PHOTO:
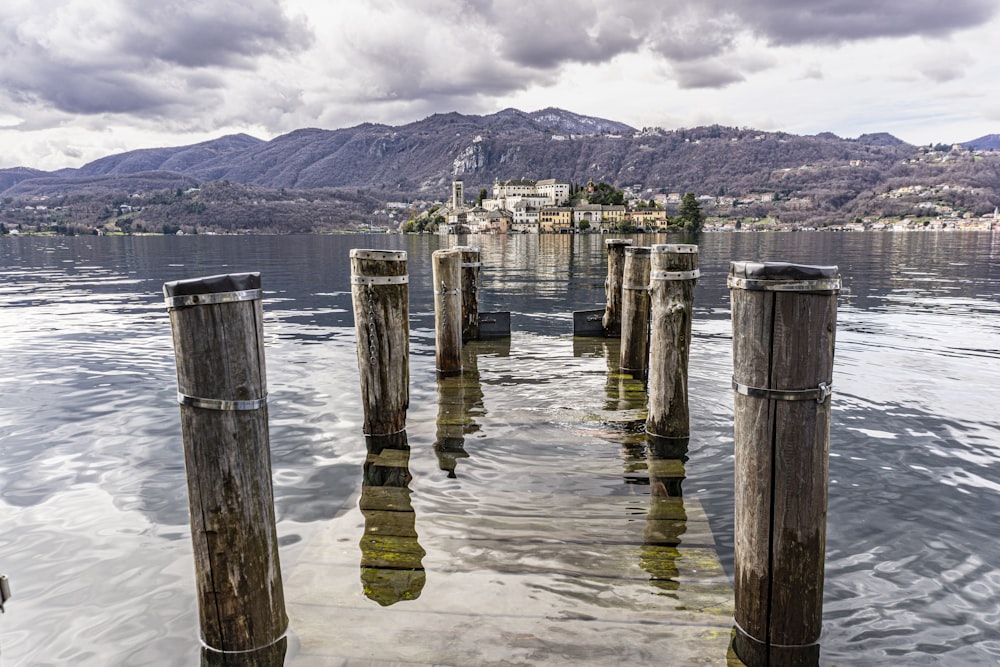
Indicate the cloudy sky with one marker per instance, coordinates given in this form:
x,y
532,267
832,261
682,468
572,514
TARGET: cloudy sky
x,y
80,79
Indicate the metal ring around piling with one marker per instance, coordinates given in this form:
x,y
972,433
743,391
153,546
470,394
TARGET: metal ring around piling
x,y
819,394
221,404
380,280
188,300
381,255
471,265
675,248
674,275
821,286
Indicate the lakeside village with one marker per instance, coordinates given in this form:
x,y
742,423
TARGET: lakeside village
x,y
549,206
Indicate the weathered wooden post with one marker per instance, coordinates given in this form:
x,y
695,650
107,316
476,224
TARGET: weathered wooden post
x,y
381,297
222,390
447,281
784,325
612,320
672,276
470,292
635,312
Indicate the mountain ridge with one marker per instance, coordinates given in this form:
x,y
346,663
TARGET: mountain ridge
x,y
818,177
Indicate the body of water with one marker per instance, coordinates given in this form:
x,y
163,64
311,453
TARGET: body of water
x,y
93,510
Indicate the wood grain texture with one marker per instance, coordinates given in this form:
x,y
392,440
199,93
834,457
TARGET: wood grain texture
x,y
382,327
612,320
783,341
447,281
671,306
470,292
635,312
220,355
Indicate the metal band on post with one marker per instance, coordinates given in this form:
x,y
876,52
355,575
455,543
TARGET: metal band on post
x,y
220,404
380,280
189,300
379,255
819,394
675,275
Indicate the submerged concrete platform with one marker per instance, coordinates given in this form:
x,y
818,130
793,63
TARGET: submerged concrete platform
x,y
603,581
526,526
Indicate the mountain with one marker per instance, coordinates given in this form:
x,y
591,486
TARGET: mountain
x,y
990,142
420,159
809,178
180,159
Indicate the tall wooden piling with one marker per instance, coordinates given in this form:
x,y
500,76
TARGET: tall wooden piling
x,y
672,276
381,297
635,312
222,391
784,325
612,320
471,264
447,280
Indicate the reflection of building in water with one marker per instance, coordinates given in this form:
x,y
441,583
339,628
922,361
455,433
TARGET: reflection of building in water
x,y
391,559
460,400
667,518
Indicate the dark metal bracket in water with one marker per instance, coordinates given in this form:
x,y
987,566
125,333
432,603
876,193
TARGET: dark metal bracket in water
x,y
588,322
494,325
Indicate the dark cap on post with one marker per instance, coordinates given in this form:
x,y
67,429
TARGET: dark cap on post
x,y
783,277
225,287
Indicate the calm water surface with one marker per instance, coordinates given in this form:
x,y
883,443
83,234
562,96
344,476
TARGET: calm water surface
x,y
93,509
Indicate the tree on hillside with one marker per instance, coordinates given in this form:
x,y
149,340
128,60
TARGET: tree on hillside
x,y
689,215
605,194
483,194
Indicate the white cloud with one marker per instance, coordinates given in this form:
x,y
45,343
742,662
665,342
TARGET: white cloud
x,y
99,77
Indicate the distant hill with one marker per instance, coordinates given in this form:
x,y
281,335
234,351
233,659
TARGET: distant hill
x,y
421,158
810,178
180,160
990,142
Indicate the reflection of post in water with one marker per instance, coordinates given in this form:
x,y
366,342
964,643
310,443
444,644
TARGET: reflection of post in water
x,y
667,519
624,391
391,567
459,398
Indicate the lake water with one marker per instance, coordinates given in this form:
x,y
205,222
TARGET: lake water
x,y
93,511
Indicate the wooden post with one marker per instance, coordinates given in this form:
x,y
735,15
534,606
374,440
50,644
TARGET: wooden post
x,y
222,389
612,320
784,325
381,297
470,292
447,281
672,276
392,567
635,312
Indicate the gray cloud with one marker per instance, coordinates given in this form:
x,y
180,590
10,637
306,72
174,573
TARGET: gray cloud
x,y
140,59
706,74
228,33
800,21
